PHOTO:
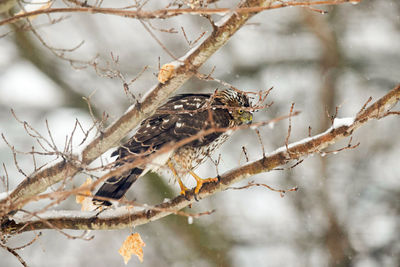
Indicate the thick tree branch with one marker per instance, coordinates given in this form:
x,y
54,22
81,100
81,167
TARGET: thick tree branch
x,y
125,217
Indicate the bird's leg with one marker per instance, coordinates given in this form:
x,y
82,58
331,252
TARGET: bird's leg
x,y
184,189
201,181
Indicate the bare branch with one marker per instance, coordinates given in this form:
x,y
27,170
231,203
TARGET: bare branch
x,y
252,184
4,179
289,127
118,220
158,40
261,143
12,251
30,242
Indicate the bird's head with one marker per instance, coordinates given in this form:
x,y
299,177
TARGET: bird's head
x,y
242,116
238,105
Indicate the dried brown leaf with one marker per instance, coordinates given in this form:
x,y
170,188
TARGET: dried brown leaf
x,y
133,244
167,71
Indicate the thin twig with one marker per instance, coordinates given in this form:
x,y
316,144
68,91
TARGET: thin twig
x,y
244,150
261,142
5,181
30,242
251,184
158,40
289,127
12,251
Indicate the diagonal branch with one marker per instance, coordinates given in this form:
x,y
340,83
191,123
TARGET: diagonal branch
x,y
125,217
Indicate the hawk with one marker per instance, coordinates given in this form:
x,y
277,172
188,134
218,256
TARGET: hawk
x,y
183,117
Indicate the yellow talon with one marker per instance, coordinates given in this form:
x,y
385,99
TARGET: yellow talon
x,y
184,189
201,181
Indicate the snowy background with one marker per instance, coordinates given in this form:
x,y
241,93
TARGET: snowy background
x,y
347,209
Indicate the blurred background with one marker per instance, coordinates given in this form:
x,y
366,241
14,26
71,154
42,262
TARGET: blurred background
x,y
346,211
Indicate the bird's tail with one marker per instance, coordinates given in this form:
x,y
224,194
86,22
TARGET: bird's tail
x,y
116,187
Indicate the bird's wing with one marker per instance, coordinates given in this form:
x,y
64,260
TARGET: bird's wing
x,y
174,121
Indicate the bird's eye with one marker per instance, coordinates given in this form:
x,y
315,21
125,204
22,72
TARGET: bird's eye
x,y
240,111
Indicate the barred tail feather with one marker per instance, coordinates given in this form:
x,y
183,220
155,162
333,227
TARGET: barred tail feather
x,y
116,187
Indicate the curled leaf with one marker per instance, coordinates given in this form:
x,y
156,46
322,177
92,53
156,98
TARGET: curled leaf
x,y
166,72
133,244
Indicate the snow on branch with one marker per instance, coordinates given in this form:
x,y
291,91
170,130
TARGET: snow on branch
x,y
126,217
